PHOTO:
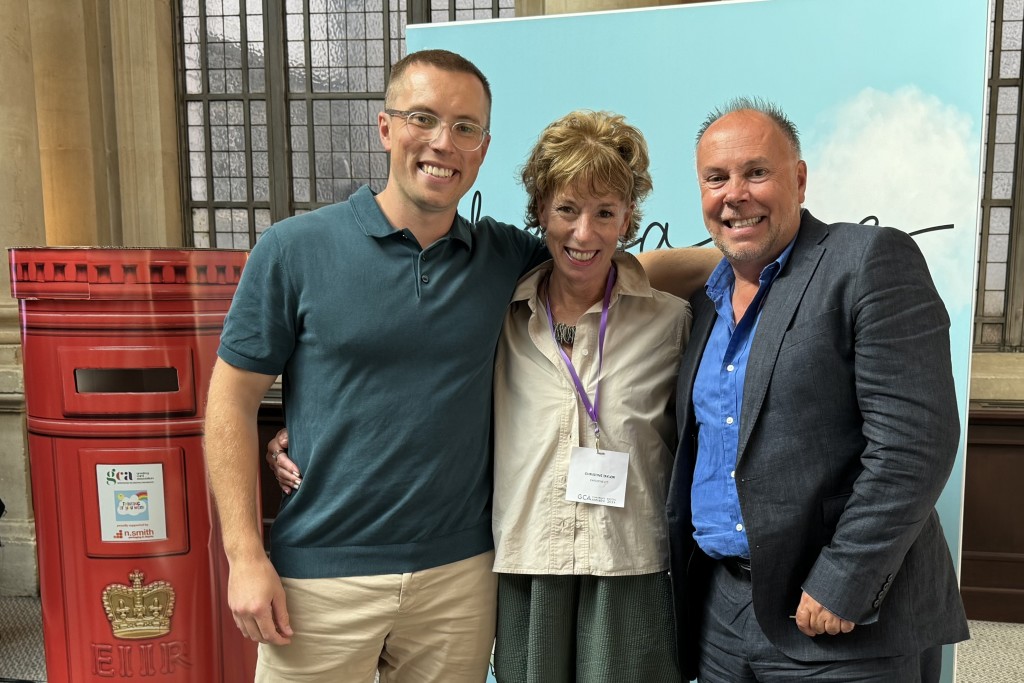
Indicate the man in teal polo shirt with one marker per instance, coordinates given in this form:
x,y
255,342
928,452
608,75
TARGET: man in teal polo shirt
x,y
382,314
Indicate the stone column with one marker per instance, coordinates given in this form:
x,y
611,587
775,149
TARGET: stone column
x,y
21,205
144,99
74,108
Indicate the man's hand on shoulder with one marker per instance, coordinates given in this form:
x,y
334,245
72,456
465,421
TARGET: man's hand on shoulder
x,y
813,619
256,599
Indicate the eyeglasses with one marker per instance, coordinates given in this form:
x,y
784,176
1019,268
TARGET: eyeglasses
x,y
425,127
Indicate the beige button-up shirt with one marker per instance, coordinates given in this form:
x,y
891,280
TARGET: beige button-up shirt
x,y
538,418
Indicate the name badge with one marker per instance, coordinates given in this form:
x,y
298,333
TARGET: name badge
x,y
597,477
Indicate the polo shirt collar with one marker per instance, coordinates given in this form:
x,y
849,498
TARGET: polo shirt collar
x,y
374,223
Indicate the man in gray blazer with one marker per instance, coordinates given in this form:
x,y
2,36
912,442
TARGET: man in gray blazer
x,y
818,425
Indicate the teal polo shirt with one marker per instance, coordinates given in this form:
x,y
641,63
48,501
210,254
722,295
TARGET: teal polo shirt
x,y
387,353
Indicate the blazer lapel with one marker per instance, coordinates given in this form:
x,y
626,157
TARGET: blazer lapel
x,y
703,321
779,307
678,504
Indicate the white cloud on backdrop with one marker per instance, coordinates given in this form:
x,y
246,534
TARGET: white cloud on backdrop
x,y
912,161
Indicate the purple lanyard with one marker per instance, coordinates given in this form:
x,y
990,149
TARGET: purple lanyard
x,y
592,408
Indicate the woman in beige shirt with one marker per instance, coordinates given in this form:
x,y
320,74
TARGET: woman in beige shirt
x,y
584,425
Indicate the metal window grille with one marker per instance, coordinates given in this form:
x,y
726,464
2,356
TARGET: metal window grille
x,y
278,103
999,314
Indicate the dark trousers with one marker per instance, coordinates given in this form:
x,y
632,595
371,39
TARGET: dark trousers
x,y
733,649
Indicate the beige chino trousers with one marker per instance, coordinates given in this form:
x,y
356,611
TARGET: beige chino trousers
x,y
435,625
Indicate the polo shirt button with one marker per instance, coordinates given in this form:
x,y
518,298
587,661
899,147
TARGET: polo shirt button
x,y
424,279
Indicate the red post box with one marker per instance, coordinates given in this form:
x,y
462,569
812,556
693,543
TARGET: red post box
x,y
119,345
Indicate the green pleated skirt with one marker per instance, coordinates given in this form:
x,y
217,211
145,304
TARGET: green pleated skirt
x,y
585,629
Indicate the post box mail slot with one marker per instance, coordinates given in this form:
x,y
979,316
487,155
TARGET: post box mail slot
x,y
126,380
112,380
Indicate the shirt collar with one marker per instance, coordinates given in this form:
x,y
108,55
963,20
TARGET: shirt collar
x,y
630,278
722,278
374,223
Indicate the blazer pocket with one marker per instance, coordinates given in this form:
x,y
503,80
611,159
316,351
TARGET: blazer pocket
x,y
832,509
808,329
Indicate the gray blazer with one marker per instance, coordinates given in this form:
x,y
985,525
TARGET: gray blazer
x,y
848,431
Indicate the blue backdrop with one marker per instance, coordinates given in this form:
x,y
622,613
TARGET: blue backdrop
x,y
888,94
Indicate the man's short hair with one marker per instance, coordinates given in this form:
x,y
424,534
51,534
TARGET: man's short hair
x,y
595,151
761,106
440,59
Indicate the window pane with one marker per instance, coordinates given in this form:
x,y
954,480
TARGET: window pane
x,y
1009,65
999,220
991,333
993,303
1007,101
1006,128
296,28
198,189
995,276
1013,10
1002,185
997,245
1004,158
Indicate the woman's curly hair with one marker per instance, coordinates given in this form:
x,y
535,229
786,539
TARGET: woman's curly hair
x,y
597,151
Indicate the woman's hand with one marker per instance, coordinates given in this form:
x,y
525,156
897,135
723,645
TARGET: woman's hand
x,y
285,471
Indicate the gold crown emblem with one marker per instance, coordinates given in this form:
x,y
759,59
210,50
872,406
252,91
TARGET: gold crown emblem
x,y
139,611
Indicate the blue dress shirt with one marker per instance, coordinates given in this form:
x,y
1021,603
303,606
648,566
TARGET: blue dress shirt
x,y
717,403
